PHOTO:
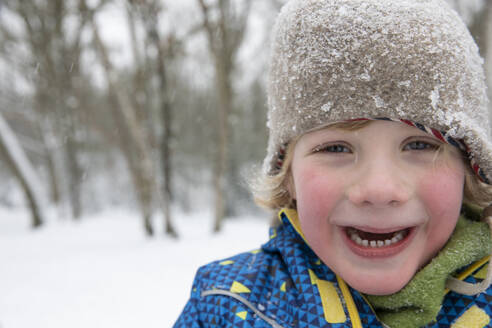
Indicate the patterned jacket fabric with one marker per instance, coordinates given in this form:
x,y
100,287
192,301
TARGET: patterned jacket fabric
x,y
284,284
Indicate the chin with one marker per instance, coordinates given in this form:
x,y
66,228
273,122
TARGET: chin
x,y
382,285
379,290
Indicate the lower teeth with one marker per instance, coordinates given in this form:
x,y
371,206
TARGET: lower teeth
x,y
376,243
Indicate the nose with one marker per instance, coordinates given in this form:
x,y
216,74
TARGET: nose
x,y
381,183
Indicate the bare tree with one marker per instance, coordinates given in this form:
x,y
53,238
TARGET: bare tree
x,y
55,58
155,67
166,49
83,127
133,140
24,172
225,23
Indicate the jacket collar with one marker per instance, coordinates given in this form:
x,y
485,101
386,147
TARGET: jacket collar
x,y
315,283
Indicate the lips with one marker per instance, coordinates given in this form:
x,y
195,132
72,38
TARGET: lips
x,y
377,243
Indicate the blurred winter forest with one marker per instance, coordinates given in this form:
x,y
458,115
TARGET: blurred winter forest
x,y
148,104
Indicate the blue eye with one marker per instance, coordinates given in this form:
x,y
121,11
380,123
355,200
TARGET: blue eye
x,y
420,145
337,148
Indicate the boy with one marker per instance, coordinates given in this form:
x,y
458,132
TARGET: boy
x,y
379,160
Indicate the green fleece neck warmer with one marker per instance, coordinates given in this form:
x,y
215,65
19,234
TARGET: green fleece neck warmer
x,y
419,302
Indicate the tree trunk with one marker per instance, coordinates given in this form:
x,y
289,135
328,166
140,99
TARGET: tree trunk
x,y
225,34
75,176
221,164
133,141
166,163
166,155
23,171
52,159
150,12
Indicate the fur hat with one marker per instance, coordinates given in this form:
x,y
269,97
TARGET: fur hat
x,y
338,60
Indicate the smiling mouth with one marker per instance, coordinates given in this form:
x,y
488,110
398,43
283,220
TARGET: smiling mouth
x,y
376,240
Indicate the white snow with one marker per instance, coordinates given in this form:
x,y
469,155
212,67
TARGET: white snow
x,y
378,101
434,97
103,271
327,107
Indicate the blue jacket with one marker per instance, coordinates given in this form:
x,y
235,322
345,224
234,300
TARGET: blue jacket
x,y
284,284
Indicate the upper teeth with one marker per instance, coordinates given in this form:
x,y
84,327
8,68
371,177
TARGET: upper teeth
x,y
375,243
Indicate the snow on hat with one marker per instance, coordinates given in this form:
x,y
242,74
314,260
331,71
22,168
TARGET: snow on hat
x,y
338,60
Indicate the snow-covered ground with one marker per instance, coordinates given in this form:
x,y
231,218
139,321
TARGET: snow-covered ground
x,y
103,272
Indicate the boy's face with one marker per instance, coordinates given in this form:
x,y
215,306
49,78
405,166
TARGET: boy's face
x,y
377,203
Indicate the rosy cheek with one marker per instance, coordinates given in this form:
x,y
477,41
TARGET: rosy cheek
x,y
316,194
441,193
